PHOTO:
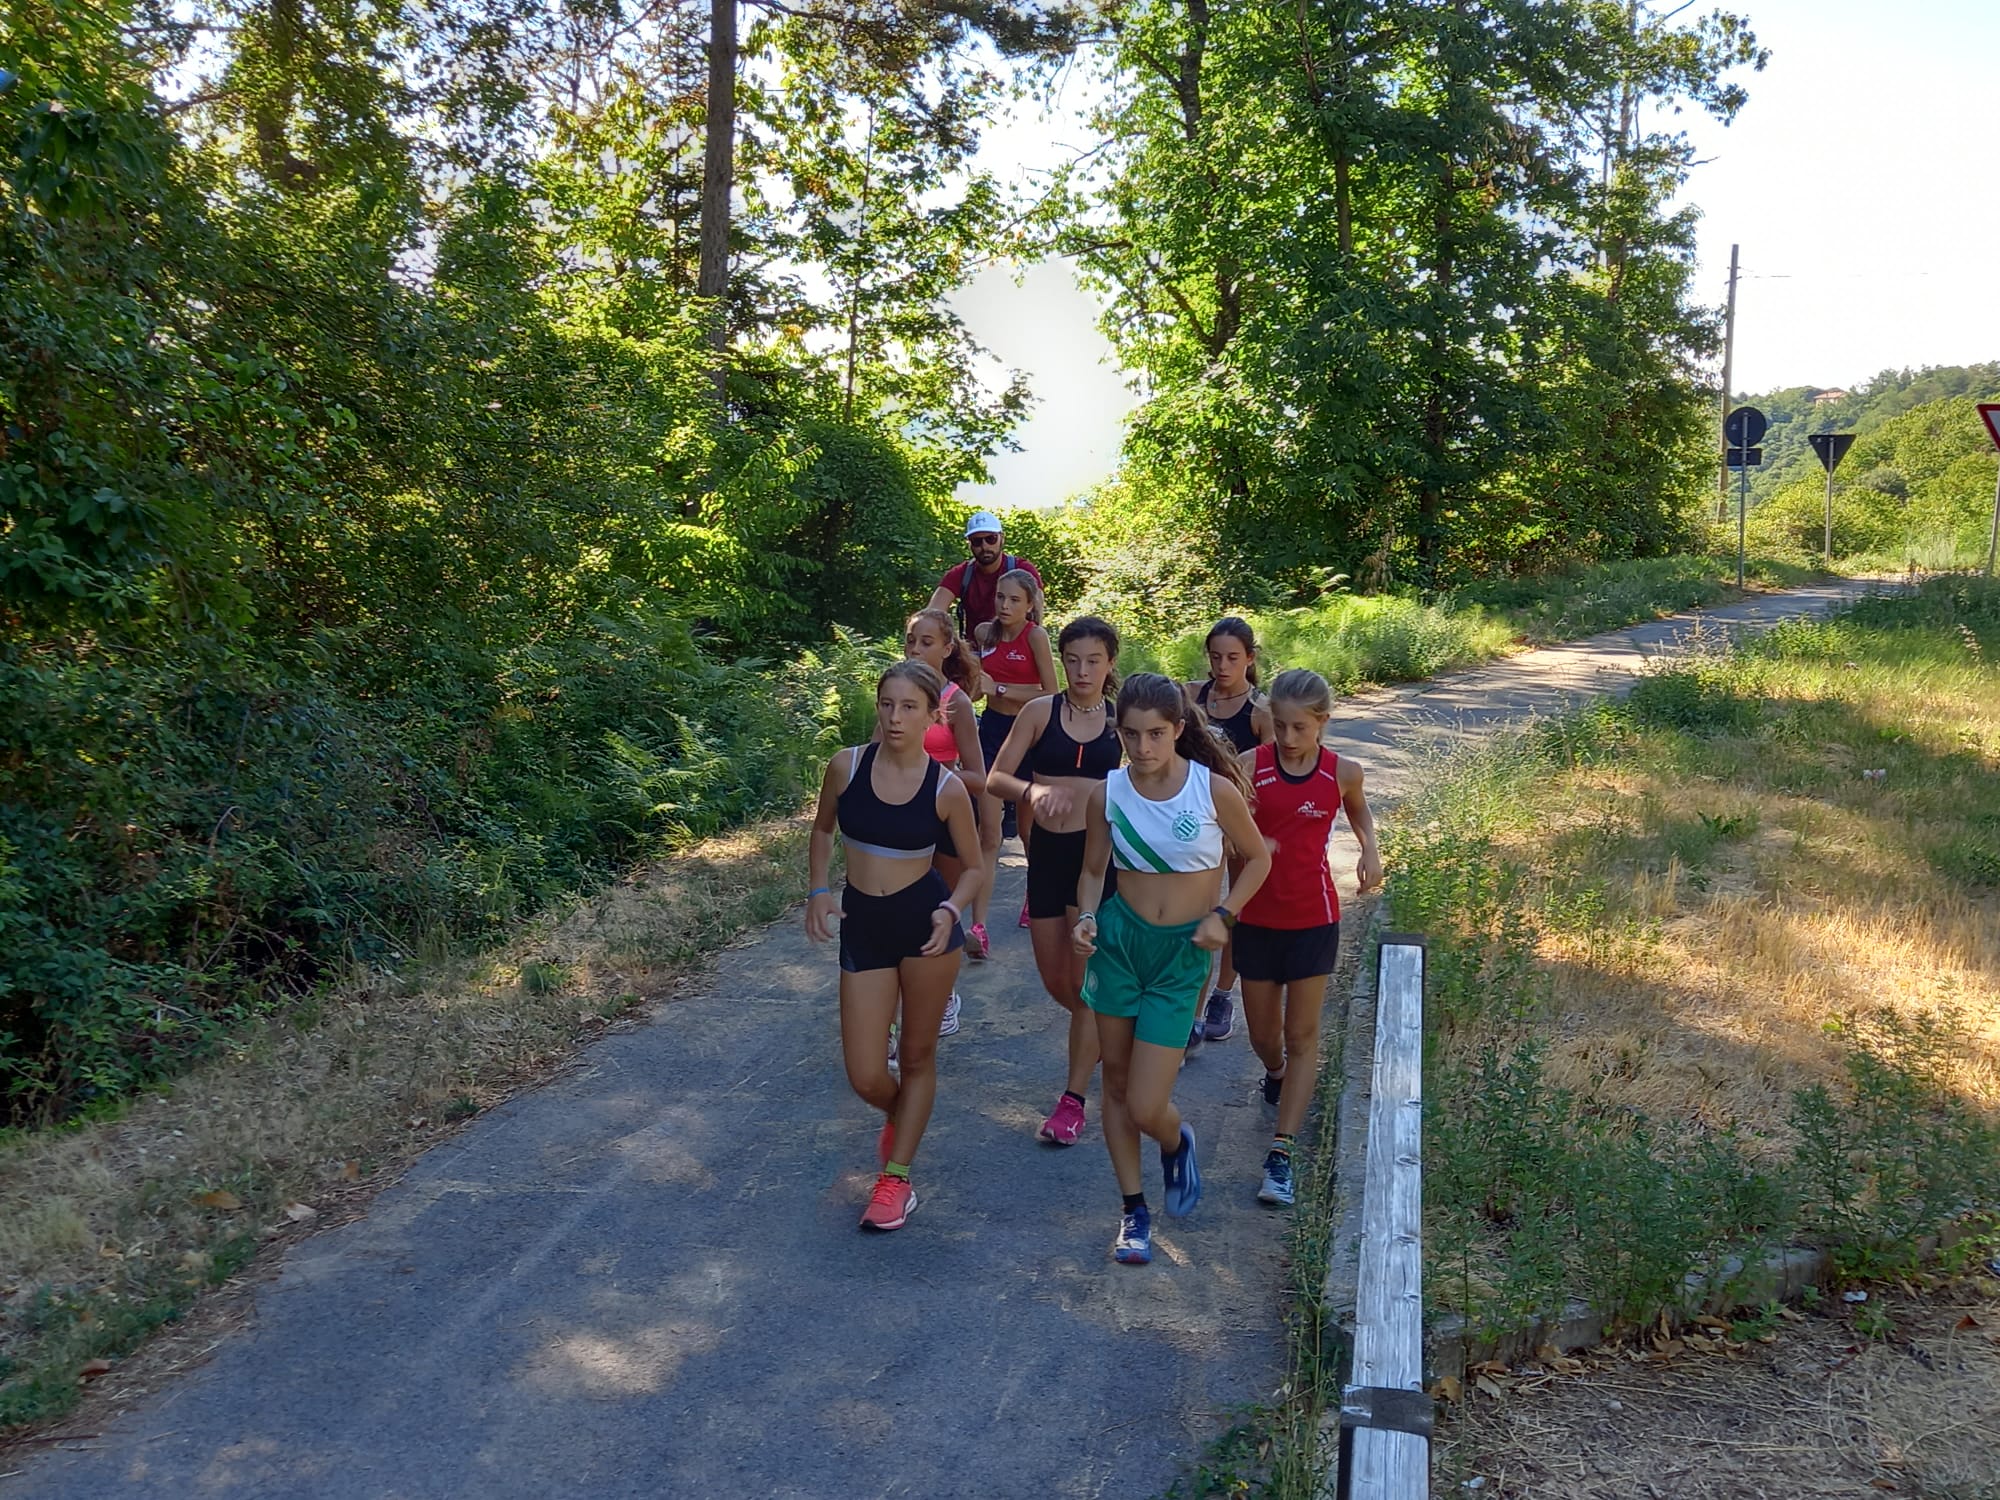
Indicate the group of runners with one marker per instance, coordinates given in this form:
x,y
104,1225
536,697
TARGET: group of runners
x,y
1177,839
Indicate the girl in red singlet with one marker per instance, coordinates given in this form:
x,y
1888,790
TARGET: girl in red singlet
x,y
1289,936
952,741
1019,666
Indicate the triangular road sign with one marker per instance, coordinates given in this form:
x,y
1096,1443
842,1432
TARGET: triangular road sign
x,y
1831,447
1989,413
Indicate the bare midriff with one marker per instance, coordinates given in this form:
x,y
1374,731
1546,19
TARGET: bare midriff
x,y
1169,900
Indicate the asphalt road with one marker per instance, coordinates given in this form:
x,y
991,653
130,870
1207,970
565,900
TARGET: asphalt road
x,y
645,1278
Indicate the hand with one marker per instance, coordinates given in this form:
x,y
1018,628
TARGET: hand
x,y
820,912
1211,934
1368,869
1050,801
941,921
1083,937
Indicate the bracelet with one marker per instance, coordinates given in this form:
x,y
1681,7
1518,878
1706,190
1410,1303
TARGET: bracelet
x,y
819,891
1228,916
1087,916
956,914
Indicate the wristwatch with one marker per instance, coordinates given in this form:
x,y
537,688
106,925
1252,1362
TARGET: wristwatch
x,y
1228,916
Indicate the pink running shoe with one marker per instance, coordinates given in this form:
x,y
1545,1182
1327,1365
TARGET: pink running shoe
x,y
885,1143
890,1205
975,940
1064,1126
1024,911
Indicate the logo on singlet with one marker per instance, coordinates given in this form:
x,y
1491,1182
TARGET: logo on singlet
x,y
1310,810
1186,826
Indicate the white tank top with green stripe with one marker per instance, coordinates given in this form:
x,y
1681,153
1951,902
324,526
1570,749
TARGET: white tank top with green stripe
x,y
1178,836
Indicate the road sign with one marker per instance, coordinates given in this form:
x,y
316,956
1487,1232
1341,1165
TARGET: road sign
x,y
1989,413
1832,447
1745,458
1745,427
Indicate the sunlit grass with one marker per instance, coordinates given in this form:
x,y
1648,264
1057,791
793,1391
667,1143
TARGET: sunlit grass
x,y
1693,907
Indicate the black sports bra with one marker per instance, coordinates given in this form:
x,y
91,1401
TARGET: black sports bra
x,y
1240,727
894,830
1056,754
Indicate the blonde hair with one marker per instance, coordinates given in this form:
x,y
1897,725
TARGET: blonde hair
x,y
1304,687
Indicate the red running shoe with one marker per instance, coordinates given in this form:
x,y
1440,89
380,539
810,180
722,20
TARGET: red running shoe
x,y
975,941
1065,1125
1024,911
890,1205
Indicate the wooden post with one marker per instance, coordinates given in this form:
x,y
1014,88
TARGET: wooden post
x,y
1389,1455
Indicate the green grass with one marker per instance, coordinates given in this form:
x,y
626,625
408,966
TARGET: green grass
x,y
1699,986
1610,595
1353,640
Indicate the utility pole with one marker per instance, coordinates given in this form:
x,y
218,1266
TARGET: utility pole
x,y
1728,366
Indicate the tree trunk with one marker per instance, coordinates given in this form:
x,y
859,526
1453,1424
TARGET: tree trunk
x,y
1430,499
718,180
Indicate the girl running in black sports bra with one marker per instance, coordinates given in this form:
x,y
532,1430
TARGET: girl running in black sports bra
x,y
1070,744
900,938
1231,685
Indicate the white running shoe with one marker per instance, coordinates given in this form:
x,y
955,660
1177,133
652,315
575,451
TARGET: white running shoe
x,y
949,1025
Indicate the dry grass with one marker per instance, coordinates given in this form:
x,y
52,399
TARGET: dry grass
x,y
1746,892
1819,1409
108,1228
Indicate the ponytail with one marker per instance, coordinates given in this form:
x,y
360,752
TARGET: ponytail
x,y
961,666
1196,741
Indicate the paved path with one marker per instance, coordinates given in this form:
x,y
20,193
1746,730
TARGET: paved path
x,y
645,1279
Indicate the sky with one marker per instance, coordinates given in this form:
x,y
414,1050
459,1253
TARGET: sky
x,y
1862,181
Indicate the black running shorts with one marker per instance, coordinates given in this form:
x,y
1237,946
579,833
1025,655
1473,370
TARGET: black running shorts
x,y
1278,955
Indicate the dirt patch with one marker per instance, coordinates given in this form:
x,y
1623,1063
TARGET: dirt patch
x,y
1811,1406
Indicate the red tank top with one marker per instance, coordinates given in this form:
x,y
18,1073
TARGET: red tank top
x,y
939,741
1297,815
1012,661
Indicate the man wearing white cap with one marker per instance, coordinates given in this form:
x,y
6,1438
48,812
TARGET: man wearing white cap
x,y
968,586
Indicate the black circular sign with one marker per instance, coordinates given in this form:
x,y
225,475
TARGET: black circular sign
x,y
1744,427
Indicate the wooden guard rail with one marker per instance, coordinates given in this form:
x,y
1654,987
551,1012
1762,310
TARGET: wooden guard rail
x,y
1385,1413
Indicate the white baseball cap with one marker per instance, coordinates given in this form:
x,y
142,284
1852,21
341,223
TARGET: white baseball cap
x,y
982,520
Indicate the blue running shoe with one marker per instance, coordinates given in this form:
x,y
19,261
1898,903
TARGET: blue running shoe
x,y
1219,1023
1183,1174
1134,1245
1277,1188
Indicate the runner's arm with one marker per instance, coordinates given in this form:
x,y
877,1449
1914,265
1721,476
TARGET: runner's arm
x,y
955,805
1368,869
965,730
1001,781
819,856
1233,813
1096,860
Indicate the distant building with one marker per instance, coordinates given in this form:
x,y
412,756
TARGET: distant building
x,y
1820,398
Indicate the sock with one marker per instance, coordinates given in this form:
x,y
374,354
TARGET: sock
x,y
1282,1144
1135,1203
897,1169
1073,1094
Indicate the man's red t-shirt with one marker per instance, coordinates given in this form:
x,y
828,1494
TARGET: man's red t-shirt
x,y
978,592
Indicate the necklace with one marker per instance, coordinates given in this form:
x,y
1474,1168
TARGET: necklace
x,y
1080,712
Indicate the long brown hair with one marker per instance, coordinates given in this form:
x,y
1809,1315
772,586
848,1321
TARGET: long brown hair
x,y
960,665
1195,742
1237,629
